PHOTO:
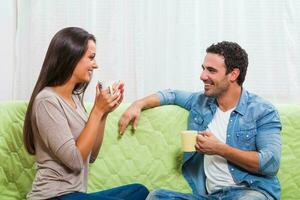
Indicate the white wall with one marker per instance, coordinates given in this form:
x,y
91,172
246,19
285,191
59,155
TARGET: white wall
x,y
7,47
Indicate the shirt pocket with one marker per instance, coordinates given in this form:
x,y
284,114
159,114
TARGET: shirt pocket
x,y
246,139
196,121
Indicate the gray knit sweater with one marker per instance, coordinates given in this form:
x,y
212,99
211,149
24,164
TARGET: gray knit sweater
x,y
56,126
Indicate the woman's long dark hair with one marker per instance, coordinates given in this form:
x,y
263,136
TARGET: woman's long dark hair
x,y
66,48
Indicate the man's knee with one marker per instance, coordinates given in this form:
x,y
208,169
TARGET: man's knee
x,y
157,194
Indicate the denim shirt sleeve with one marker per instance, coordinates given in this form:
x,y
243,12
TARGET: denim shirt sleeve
x,y
176,97
268,142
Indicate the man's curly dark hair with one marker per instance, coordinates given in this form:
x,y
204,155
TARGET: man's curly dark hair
x,y
234,56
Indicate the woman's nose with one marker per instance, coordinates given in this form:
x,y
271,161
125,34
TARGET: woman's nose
x,y
95,66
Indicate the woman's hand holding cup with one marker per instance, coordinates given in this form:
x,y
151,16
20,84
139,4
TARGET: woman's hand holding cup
x,y
109,98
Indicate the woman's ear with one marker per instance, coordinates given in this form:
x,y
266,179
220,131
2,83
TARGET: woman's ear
x,y
234,74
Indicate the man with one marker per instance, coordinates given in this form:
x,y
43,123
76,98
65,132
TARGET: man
x,y
238,145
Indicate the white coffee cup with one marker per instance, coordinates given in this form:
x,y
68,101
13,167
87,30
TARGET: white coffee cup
x,y
188,140
109,85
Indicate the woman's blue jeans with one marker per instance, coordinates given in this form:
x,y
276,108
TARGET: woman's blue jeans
x,y
126,192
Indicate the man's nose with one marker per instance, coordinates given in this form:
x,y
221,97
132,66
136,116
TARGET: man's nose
x,y
203,75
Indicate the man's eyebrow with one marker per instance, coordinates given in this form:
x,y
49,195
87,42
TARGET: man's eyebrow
x,y
208,66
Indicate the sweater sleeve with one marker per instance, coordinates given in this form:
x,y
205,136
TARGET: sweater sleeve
x,y
55,133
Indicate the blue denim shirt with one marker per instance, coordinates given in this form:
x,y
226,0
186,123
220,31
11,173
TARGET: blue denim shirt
x,y
254,125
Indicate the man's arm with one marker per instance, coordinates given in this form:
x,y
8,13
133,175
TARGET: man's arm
x,y
208,144
166,97
265,160
132,113
248,160
268,143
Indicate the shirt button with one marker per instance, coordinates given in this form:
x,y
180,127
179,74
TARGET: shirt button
x,y
231,169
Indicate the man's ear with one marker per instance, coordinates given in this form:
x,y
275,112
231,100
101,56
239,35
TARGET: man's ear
x,y
234,74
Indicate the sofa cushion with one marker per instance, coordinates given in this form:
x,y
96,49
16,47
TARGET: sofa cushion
x,y
289,172
16,171
151,155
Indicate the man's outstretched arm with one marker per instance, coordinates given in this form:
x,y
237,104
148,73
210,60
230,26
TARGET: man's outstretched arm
x,y
132,113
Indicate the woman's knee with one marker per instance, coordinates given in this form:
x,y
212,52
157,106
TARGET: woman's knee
x,y
140,189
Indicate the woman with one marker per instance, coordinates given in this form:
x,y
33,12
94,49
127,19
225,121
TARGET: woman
x,y
56,128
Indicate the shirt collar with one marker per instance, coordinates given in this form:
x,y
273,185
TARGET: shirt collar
x,y
241,106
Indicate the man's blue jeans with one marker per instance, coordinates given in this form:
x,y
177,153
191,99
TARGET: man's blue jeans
x,y
126,192
227,193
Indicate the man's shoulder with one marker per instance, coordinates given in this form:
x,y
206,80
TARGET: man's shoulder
x,y
258,101
259,106
261,111
201,101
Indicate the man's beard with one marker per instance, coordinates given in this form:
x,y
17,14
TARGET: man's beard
x,y
216,91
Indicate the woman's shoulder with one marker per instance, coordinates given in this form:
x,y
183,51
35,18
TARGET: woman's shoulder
x,y
47,95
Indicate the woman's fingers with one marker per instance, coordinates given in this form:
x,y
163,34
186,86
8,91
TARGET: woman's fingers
x,y
98,89
109,101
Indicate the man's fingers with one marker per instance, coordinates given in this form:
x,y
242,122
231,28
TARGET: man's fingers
x,y
123,123
200,138
122,126
206,133
198,148
135,122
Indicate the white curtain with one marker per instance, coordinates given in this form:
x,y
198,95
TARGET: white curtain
x,y
7,48
158,44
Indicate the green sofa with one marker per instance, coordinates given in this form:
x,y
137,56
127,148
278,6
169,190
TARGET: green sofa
x,y
151,155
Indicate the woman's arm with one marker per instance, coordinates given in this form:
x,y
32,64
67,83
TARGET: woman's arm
x,y
90,139
99,139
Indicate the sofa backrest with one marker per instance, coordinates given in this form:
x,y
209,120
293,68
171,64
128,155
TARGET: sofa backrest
x,y
16,171
289,172
151,155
